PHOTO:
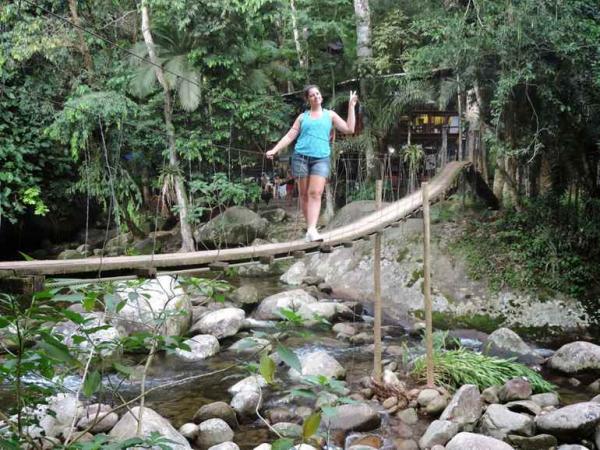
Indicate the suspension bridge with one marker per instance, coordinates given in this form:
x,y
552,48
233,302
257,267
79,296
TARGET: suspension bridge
x,y
178,263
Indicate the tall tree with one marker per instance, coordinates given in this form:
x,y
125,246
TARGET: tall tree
x,y
187,238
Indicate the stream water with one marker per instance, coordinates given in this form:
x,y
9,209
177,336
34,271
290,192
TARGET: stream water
x,y
179,402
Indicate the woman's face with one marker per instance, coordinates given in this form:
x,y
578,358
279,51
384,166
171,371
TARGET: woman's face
x,y
314,97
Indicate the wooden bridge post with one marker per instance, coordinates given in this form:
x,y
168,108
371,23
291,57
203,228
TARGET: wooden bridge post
x,y
377,289
427,284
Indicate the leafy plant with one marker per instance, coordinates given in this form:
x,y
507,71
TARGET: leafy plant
x,y
454,368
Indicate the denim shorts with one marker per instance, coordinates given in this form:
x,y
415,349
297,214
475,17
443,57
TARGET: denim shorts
x,y
304,166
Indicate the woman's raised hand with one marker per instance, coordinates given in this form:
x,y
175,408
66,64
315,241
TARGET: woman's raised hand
x,y
353,99
271,153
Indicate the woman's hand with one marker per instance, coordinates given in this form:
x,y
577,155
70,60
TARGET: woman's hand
x,y
271,153
353,99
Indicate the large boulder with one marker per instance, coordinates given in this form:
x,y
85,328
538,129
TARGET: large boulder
x,y
472,441
576,357
575,420
498,421
465,407
353,417
331,311
152,422
235,226
295,274
319,362
217,410
270,307
202,346
99,417
351,213
223,322
159,305
245,295
507,344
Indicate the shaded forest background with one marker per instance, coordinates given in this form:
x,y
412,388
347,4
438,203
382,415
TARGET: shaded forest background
x,y
109,107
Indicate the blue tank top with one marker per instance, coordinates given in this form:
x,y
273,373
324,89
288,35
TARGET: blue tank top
x,y
314,135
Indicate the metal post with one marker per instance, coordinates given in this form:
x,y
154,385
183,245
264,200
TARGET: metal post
x,y
377,287
427,284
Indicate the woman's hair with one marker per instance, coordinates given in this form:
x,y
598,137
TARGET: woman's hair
x,y
307,89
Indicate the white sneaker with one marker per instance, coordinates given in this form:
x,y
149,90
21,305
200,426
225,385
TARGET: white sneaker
x,y
312,235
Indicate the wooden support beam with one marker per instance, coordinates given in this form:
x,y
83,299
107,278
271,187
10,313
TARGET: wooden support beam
x,y
348,244
325,248
427,285
377,369
22,285
268,259
148,272
218,265
298,254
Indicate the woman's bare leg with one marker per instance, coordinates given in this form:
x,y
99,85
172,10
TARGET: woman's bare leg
x,y
316,184
303,194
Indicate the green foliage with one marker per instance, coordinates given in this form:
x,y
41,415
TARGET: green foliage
x,y
548,247
212,288
455,368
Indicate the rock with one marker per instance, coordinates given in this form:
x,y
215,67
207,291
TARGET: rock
x,y
189,431
245,403
353,417
596,399
102,417
343,330
275,215
438,432
490,395
390,402
594,387
352,212
572,447
245,295
151,422
295,274
70,254
546,399
222,323
369,440
319,362
406,444
202,346
574,382
472,441
251,344
498,421
303,447
263,447
269,308
403,431
524,406
331,311
252,383
576,357
465,406
225,446
105,340
288,429
578,419
216,410
539,442
213,432
437,405
426,396
361,338
234,227
515,389
276,415
250,323
505,343
408,416
159,305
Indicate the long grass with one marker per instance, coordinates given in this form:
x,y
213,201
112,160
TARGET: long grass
x,y
454,368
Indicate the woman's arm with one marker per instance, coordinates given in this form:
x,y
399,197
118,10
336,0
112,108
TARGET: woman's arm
x,y
286,140
346,126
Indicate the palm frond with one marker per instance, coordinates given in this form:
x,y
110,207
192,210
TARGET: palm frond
x,y
143,82
189,91
258,80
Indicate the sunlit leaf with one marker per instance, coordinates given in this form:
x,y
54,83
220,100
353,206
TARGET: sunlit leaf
x,y
311,425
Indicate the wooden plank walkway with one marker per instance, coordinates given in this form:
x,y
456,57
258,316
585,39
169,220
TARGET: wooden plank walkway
x,y
377,221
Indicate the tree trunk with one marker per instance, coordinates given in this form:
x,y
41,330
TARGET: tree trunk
x,y
187,238
302,60
364,53
83,48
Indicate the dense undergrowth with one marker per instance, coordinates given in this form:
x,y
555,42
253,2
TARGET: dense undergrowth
x,y
549,246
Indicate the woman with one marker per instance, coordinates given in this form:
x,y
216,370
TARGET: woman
x,y
310,161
